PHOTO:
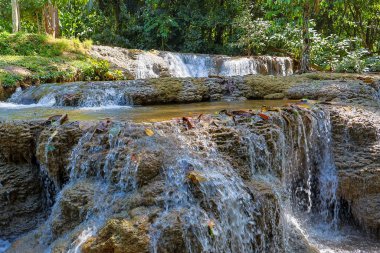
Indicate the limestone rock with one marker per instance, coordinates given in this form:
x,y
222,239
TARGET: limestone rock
x,y
120,236
22,199
75,202
55,145
356,135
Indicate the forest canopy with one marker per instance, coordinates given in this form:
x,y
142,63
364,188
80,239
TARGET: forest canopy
x,y
339,35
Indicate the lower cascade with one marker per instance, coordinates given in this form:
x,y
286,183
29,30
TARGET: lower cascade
x,y
233,182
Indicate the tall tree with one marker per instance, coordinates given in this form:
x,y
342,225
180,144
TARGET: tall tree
x,y
301,11
16,16
51,19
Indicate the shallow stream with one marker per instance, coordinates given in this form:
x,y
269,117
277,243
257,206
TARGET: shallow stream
x,y
11,111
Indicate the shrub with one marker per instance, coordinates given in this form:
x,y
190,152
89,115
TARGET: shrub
x,y
39,44
373,63
8,79
352,63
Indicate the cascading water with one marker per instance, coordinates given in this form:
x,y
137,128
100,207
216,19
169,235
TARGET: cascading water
x,y
143,64
109,187
187,65
75,94
242,183
299,154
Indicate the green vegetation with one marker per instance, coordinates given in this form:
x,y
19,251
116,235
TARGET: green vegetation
x,y
33,58
326,35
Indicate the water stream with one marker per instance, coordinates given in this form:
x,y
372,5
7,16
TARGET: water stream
x,y
153,64
242,180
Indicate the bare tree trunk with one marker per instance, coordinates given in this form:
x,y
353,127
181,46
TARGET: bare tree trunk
x,y
16,22
51,20
305,57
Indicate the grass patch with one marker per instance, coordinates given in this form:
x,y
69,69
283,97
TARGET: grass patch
x,y
43,59
38,44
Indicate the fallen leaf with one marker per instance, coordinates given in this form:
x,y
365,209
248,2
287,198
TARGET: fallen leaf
x,y
134,158
264,116
188,122
149,132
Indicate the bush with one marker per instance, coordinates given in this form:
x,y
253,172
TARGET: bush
x,y
8,79
373,64
39,44
352,63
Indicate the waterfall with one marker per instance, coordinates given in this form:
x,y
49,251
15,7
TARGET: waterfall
x,y
188,65
73,94
113,179
153,64
246,183
299,154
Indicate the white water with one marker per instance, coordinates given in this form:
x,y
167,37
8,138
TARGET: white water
x,y
153,64
188,65
4,245
46,101
291,154
192,65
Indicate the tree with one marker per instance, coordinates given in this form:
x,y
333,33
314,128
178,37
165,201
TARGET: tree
x,y
16,16
51,19
301,11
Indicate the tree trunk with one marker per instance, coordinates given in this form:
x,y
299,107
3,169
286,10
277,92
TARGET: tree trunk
x,y
51,20
305,57
16,16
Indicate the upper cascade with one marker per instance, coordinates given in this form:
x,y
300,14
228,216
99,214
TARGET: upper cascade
x,y
153,64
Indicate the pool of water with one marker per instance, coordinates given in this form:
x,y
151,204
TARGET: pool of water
x,y
10,111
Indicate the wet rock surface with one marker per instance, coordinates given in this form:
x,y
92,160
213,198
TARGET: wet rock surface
x,y
336,90
190,90
120,235
153,185
184,185
23,204
357,149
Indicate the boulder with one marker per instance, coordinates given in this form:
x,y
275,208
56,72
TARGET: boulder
x,y
120,236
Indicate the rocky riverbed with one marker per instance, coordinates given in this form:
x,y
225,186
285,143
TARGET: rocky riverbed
x,y
237,181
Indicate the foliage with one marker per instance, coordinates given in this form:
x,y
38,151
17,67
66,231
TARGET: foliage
x,y
8,79
353,62
39,44
45,59
335,31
